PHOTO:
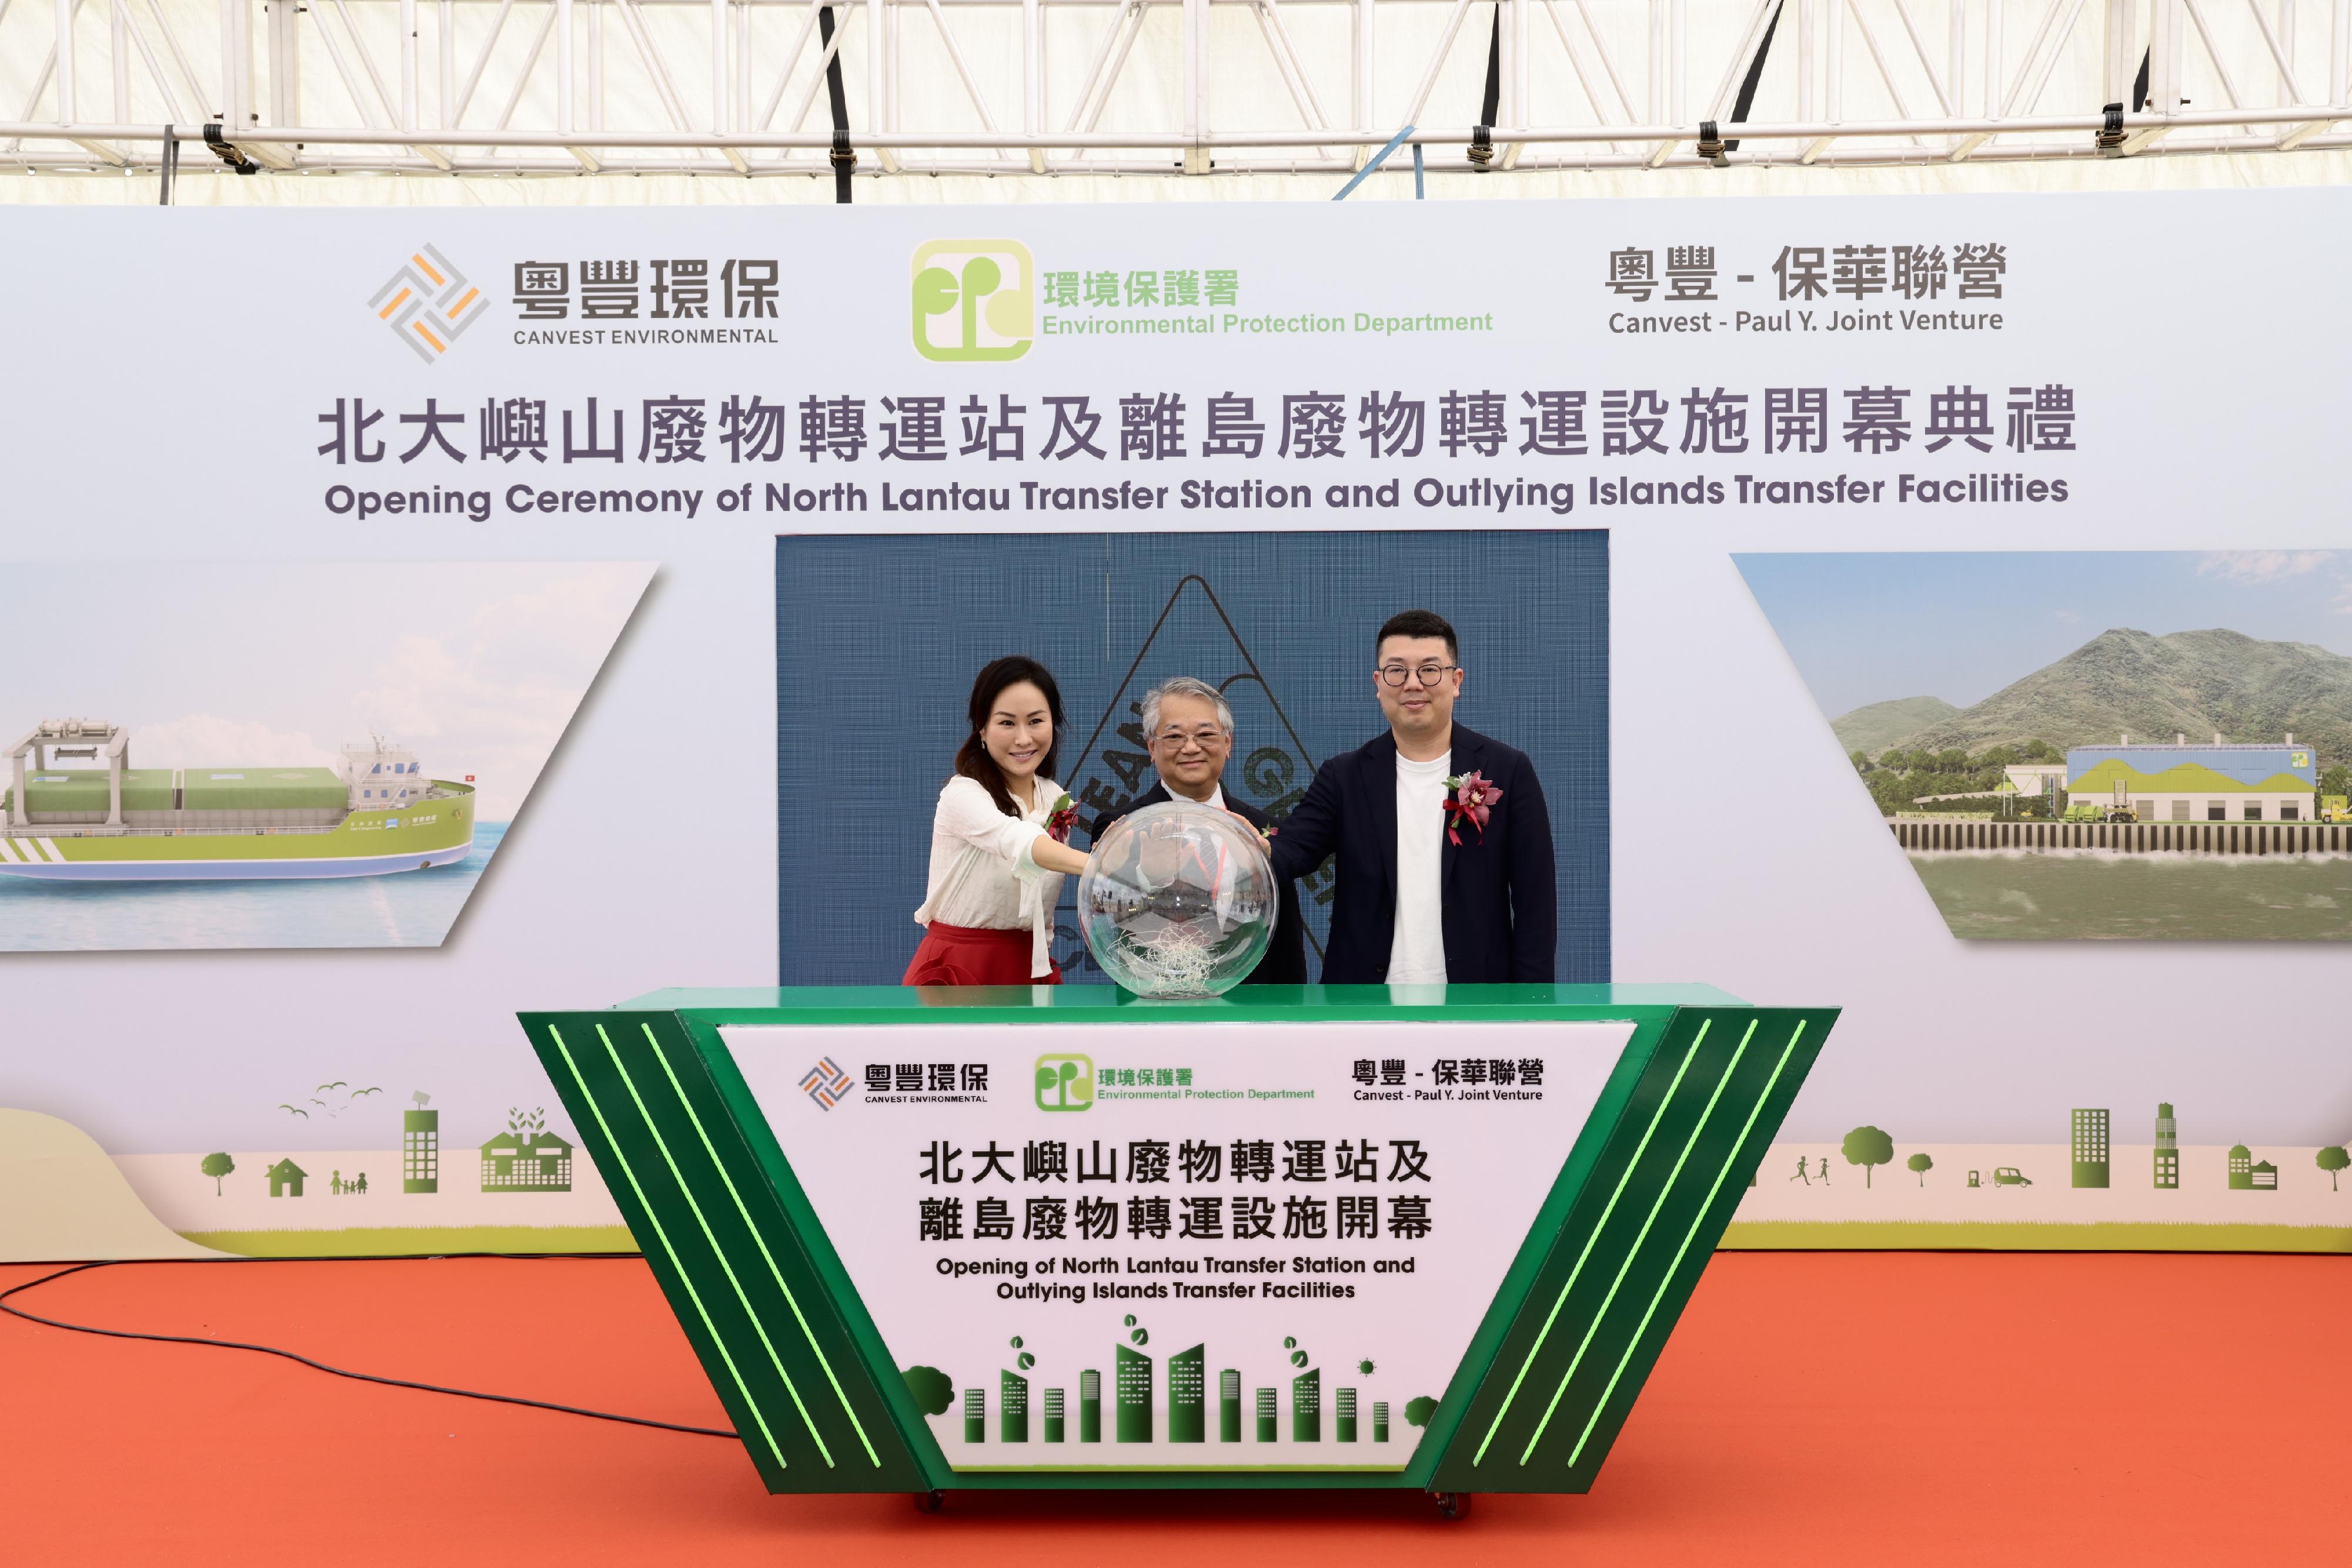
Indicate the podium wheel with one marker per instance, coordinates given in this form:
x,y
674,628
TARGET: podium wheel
x,y
930,1502
1453,1504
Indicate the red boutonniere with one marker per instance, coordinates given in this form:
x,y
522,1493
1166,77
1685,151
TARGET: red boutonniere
x,y
1064,817
1471,800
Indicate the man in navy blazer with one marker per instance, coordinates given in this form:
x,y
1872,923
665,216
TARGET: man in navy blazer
x,y
1425,894
1187,727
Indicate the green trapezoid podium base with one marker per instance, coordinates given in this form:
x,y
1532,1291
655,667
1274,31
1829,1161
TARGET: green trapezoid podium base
x,y
1058,1236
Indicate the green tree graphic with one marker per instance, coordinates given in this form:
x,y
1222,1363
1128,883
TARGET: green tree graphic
x,y
218,1166
2331,1159
1867,1147
1418,1411
934,1390
1918,1162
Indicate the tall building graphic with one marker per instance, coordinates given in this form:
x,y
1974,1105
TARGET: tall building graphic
x,y
2090,1146
2168,1149
1090,1406
1343,1425
420,1147
1266,1418
1229,1406
1307,1406
1013,1406
1379,1420
1187,1402
1134,1396
1054,1429
975,1414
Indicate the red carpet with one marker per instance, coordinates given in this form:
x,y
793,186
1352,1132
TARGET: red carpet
x,y
1815,1409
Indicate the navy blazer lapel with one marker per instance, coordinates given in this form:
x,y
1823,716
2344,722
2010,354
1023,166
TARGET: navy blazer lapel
x,y
1379,777
1468,753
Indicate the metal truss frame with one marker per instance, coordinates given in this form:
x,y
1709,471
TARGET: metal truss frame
x,y
1043,88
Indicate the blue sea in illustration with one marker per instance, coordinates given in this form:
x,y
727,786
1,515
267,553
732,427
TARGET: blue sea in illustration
x,y
404,909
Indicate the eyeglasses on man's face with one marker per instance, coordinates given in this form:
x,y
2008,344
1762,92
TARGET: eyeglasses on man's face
x,y
1206,736
1426,674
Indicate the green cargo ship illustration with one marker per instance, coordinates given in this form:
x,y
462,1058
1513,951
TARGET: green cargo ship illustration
x,y
102,819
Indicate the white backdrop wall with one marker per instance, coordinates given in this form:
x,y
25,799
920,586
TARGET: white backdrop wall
x,y
2204,426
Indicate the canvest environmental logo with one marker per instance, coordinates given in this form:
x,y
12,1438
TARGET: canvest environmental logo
x,y
428,304
974,299
825,1083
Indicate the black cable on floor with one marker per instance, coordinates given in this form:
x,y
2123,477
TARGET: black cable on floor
x,y
321,1365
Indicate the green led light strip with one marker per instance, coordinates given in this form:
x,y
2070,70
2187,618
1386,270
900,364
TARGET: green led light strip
x,y
662,1236
692,1115
1680,1252
1624,1177
1635,1251
716,1250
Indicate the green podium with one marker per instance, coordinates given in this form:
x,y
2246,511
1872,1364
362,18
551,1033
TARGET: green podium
x,y
1312,1237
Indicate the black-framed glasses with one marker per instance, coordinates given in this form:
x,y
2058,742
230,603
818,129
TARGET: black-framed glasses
x,y
1427,675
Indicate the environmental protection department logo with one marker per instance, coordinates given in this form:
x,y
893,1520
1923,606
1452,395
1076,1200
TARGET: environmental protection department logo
x,y
1065,1083
428,304
825,1083
974,299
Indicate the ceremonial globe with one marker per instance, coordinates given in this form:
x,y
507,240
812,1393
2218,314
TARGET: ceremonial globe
x,y
1177,900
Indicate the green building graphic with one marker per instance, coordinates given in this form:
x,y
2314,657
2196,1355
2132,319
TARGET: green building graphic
x,y
1343,1423
1134,1395
1187,1396
1307,1406
2248,1174
1267,1431
1054,1430
2168,1149
420,1147
286,1179
975,1414
527,1157
1090,1406
1379,1420
2089,1149
1229,1406
1013,1407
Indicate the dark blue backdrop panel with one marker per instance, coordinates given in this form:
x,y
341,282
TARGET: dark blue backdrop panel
x,y
878,636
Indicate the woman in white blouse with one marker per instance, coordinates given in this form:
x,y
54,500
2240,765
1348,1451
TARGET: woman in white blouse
x,y
999,847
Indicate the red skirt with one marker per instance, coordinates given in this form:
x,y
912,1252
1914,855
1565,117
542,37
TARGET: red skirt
x,y
967,955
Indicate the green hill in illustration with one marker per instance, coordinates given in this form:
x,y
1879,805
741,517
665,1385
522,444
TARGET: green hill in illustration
x,y
1878,726
2198,683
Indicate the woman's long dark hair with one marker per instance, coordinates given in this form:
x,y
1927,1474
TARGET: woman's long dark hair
x,y
972,759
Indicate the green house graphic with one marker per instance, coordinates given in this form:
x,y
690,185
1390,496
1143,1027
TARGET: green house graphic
x,y
527,1162
286,1179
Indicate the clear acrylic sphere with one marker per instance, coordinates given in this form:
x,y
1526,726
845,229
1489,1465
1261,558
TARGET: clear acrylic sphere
x,y
1177,900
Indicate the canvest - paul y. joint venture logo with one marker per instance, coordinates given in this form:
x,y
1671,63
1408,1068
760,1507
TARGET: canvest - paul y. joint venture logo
x,y
974,299
1065,1083
428,304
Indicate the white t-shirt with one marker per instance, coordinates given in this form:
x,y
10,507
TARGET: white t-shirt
x,y
1417,954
